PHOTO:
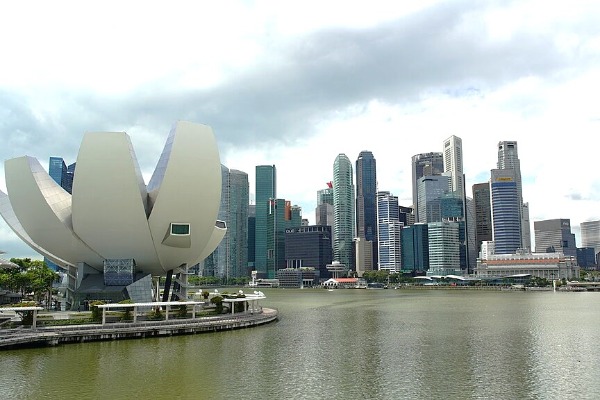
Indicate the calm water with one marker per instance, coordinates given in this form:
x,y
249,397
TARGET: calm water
x,y
344,344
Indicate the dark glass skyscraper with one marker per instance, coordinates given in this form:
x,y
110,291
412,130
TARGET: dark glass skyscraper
x,y
266,189
309,246
57,169
483,213
415,249
366,202
366,196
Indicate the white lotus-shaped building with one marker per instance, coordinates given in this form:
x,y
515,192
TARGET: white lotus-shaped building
x,y
112,214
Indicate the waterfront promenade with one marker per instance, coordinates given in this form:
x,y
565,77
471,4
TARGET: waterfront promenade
x,y
62,334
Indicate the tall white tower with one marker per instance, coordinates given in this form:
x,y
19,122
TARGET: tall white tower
x,y
453,163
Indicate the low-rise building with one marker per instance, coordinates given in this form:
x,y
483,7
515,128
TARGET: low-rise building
x,y
543,265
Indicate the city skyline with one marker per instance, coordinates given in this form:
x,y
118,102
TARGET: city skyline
x,y
294,86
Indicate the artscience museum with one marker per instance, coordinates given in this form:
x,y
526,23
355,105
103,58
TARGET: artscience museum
x,y
114,232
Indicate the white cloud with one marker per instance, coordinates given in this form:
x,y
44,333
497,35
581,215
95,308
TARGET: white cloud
x,y
296,84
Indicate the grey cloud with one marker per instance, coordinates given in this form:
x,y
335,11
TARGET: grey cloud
x,y
309,79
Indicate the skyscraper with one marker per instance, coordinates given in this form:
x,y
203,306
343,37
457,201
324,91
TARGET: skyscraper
x,y
343,211
309,246
366,194
389,231
415,248
483,213
506,219
366,203
324,210
430,191
424,164
554,236
276,224
237,224
57,169
453,164
590,235
444,248
266,189
508,158
61,174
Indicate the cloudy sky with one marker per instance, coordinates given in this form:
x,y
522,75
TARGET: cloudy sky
x,y
296,83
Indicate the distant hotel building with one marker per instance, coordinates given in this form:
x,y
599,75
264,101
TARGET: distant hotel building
x,y
543,265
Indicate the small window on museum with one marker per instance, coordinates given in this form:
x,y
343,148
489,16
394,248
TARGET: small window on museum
x,y
180,229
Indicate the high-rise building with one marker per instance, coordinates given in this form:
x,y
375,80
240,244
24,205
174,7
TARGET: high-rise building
x,y
309,247
324,210
472,250
251,236
364,259
444,248
276,225
415,249
266,189
57,169
506,217
217,263
430,190
483,213
366,204
343,211
282,216
230,258
425,164
586,257
453,164
508,158
389,232
406,215
590,235
237,224
366,195
63,175
68,178
554,236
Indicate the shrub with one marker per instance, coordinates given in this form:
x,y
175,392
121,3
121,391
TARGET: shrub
x,y
96,313
182,311
127,312
155,314
218,302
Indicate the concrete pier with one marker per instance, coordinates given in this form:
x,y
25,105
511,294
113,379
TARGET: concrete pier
x,y
55,335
